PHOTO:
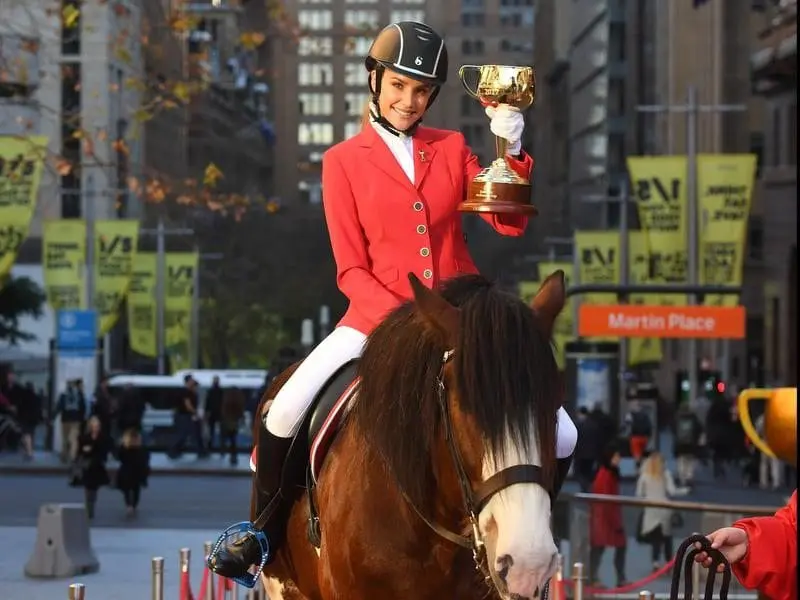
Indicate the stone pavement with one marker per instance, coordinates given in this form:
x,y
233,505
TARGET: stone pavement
x,y
48,463
125,564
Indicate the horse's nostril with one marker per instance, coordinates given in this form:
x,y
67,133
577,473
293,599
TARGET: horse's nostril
x,y
502,565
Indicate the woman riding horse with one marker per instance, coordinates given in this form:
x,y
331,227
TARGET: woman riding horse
x,y
390,198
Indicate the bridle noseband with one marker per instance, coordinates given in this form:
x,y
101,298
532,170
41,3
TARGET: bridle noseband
x,y
475,499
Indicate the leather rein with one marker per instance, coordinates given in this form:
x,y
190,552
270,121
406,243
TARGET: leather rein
x,y
474,499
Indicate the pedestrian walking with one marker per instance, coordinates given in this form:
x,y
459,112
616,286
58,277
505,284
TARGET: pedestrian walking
x,y
134,470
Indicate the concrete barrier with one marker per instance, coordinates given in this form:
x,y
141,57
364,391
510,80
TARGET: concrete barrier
x,y
63,548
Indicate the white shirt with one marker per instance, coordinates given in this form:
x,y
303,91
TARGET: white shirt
x,y
401,146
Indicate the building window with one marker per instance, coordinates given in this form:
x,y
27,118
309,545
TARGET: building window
x,y
473,19
315,46
757,148
355,74
71,36
315,74
361,1
755,238
408,15
351,128
70,142
315,20
310,191
472,3
472,46
354,103
792,130
315,1
317,134
776,137
362,19
316,104
357,46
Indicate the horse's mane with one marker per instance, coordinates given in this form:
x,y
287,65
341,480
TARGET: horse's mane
x,y
506,375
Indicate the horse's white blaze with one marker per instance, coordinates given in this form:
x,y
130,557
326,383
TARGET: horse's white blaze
x,y
516,521
273,587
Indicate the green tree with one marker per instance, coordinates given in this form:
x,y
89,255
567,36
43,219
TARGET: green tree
x,y
19,297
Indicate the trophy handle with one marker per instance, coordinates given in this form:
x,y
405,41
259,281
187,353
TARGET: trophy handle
x,y
747,423
462,71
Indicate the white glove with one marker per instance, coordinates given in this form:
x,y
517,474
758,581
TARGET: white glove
x,y
507,123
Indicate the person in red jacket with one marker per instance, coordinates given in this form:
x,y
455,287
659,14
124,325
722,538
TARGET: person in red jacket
x,y
762,552
606,528
390,196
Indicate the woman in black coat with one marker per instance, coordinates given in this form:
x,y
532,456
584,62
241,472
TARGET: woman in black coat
x,y
134,468
93,448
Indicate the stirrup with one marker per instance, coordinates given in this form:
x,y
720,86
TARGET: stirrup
x,y
246,527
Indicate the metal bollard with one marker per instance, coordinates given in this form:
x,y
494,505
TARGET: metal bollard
x,y
158,578
646,595
207,546
556,585
577,578
254,594
77,591
185,558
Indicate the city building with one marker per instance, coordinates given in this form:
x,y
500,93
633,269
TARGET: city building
x,y
550,123
773,61
708,45
320,85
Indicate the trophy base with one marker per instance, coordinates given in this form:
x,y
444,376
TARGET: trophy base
x,y
499,190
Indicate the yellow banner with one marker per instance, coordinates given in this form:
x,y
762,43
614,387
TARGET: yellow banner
x,y
180,278
725,189
641,350
562,331
660,193
142,305
598,253
64,259
115,248
21,163
659,189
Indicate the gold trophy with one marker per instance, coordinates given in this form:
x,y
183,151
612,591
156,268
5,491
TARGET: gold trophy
x,y
780,422
499,189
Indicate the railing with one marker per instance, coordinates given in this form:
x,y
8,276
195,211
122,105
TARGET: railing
x,y
572,527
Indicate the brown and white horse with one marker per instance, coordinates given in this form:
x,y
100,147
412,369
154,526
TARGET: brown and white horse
x,y
439,482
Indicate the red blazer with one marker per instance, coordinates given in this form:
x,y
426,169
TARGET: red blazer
x,y
605,519
383,227
770,565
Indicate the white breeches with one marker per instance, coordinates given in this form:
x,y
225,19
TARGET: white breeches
x,y
566,435
344,344
295,397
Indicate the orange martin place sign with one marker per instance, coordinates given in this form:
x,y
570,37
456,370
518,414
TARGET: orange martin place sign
x,y
627,320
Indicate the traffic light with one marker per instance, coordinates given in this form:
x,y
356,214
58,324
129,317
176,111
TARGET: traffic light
x,y
709,384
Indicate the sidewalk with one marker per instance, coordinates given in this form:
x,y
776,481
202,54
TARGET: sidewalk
x,y
125,557
47,463
125,564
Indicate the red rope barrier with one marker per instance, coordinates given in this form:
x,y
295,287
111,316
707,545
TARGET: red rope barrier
x,y
628,587
185,588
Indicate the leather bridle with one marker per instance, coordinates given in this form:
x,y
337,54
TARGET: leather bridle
x,y
475,499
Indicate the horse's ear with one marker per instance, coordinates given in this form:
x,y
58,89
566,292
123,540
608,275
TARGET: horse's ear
x,y
550,299
436,311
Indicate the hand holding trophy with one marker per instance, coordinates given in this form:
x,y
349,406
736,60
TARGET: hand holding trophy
x,y
498,188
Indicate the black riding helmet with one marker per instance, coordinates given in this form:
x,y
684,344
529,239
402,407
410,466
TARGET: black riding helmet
x,y
411,49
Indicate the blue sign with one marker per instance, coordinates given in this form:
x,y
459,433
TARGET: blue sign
x,y
76,330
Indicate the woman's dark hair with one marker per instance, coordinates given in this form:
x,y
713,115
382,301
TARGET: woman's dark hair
x,y
608,453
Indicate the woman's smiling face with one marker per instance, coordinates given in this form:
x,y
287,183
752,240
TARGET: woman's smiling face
x,y
402,101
